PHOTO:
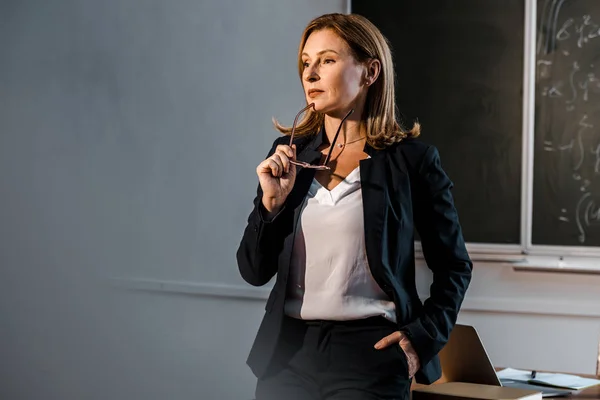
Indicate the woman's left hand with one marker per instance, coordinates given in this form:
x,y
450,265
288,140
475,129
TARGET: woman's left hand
x,y
399,338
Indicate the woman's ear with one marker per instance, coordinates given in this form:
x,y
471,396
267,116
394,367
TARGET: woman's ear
x,y
373,70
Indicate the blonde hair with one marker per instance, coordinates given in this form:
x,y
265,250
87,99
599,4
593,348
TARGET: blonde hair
x,y
366,42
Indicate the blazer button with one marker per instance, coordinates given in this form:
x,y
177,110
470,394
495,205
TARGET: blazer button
x,y
255,228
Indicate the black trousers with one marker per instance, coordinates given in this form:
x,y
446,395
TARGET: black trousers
x,y
334,360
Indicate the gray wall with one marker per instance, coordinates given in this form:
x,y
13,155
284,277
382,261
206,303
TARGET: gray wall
x,y
129,135
136,126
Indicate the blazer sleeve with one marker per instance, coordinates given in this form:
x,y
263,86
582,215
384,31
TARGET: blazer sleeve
x,y
446,255
262,241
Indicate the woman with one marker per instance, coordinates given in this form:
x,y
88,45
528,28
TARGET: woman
x,y
333,220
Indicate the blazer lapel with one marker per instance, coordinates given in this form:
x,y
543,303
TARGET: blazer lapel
x,y
372,178
399,185
385,189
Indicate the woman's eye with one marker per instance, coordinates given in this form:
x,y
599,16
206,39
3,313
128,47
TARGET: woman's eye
x,y
328,61
305,64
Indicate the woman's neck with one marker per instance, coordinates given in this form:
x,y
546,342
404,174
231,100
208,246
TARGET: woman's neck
x,y
351,130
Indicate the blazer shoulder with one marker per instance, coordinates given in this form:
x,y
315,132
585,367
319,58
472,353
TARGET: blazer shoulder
x,y
414,145
415,152
282,139
299,141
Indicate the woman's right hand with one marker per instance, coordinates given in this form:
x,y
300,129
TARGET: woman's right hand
x,y
276,176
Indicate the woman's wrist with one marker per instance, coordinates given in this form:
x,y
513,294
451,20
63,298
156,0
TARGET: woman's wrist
x,y
271,208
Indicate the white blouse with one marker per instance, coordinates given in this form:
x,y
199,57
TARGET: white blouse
x,y
330,277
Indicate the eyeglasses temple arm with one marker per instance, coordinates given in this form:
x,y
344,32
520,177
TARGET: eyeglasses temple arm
x,y
336,136
296,120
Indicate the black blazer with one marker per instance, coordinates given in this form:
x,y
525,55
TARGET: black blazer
x,y
403,187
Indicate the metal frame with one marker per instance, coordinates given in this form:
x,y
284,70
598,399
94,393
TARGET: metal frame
x,y
529,60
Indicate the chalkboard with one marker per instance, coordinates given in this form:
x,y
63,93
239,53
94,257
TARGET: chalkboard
x,y
566,190
459,67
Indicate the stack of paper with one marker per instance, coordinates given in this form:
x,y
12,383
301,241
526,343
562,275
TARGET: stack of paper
x,y
567,381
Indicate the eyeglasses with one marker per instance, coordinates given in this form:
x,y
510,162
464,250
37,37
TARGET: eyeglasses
x,y
324,165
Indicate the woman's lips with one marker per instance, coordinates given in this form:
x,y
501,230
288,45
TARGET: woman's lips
x,y
314,93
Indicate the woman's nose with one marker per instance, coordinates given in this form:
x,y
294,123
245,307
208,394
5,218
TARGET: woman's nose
x,y
311,75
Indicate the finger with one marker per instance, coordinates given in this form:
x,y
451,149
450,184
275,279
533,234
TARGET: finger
x,y
280,163
262,167
404,339
285,161
294,154
276,169
285,149
388,340
265,167
269,166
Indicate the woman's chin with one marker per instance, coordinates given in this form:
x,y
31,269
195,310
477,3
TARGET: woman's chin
x,y
320,106
331,111
326,108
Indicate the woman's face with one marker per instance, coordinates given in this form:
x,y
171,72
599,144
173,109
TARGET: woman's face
x,y
332,78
